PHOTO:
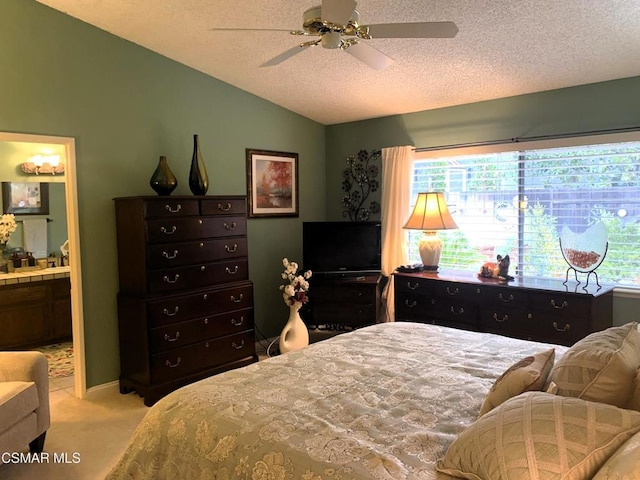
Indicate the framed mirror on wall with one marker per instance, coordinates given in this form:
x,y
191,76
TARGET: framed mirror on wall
x,y
25,198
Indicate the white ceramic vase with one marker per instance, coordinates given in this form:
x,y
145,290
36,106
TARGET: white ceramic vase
x,y
294,335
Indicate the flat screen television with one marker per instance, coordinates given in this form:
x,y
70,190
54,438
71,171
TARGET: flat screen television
x,y
341,248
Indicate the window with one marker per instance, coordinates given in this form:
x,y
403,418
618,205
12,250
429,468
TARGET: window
x,y
525,202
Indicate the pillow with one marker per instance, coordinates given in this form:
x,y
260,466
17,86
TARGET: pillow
x,y
601,367
624,464
537,435
634,401
530,373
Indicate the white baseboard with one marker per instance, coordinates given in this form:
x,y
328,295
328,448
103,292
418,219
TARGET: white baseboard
x,y
103,388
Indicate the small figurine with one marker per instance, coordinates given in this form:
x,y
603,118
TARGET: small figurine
x,y
499,269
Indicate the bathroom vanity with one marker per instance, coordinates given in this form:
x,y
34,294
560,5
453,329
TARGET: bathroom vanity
x,y
35,308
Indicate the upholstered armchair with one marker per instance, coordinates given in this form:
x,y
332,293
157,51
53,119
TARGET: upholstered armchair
x,y
24,401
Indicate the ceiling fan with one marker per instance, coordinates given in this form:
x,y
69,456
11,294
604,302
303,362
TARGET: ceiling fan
x,y
335,22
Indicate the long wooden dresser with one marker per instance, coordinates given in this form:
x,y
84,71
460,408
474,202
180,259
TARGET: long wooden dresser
x,y
528,308
185,305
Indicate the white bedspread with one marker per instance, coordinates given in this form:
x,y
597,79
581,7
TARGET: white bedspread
x,y
383,402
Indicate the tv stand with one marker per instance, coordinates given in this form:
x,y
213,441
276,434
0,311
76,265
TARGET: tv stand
x,y
354,274
345,301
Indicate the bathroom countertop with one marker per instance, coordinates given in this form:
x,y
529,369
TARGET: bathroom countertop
x,y
50,273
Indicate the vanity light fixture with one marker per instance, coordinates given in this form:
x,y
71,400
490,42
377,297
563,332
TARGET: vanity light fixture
x,y
43,165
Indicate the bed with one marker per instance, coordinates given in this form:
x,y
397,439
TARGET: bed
x,y
382,402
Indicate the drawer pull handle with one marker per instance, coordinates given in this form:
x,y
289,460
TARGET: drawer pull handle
x,y
205,297
459,312
228,270
410,305
412,287
203,268
230,227
231,249
175,278
236,346
566,328
238,300
237,323
169,339
563,305
173,314
206,321
200,222
503,319
164,230
224,208
455,292
169,209
173,365
506,300
170,256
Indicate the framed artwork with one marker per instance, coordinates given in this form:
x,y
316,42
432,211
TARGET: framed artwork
x,y
25,198
272,183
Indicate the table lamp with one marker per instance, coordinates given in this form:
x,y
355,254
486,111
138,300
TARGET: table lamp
x,y
429,215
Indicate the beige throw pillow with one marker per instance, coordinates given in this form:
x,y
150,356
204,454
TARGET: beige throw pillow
x,y
634,401
624,464
601,367
528,374
540,436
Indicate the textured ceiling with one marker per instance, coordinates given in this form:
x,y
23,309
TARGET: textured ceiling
x,y
503,48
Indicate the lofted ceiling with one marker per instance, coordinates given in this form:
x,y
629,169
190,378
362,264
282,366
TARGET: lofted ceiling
x,y
503,48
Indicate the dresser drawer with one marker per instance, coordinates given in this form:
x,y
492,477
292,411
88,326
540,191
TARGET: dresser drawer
x,y
511,320
453,290
197,276
504,296
559,304
189,228
560,329
193,331
176,254
182,361
410,305
418,286
170,208
178,308
223,206
456,310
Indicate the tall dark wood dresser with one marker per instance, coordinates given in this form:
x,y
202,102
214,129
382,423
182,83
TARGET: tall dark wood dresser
x,y
185,304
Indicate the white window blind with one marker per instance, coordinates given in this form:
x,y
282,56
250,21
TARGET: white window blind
x,y
518,202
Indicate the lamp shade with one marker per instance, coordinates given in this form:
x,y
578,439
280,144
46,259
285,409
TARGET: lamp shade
x,y
430,213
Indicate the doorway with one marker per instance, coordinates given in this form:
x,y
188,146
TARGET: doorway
x,y
36,144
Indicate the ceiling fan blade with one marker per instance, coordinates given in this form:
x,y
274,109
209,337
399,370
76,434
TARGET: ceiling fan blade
x,y
249,29
287,54
414,30
337,12
369,55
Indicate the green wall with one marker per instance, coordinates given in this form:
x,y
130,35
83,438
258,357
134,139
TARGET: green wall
x,y
601,106
125,106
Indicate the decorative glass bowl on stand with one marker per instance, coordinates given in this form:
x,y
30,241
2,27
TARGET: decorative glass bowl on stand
x,y
584,252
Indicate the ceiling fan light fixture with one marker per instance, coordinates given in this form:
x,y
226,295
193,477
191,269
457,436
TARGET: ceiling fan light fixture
x,y
331,40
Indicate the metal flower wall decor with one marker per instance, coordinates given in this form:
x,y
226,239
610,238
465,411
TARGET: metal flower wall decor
x,y
359,180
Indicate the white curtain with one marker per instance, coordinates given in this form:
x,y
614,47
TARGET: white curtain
x,y
397,163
